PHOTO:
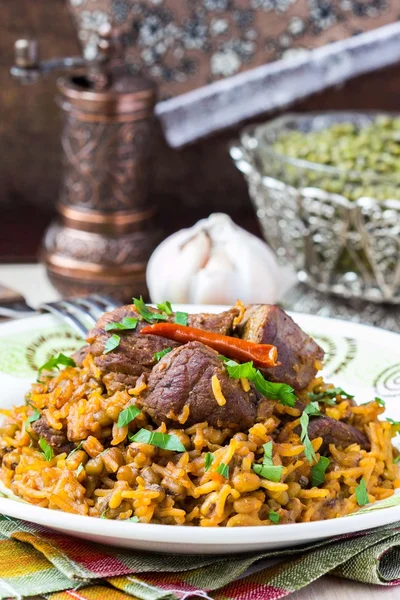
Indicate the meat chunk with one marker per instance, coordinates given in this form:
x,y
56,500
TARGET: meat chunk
x,y
297,352
55,438
336,432
183,378
135,353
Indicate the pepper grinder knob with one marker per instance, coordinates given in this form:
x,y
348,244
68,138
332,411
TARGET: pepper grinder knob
x,y
27,62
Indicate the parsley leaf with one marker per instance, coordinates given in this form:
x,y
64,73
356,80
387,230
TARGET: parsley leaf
x,y
273,516
274,391
318,471
223,470
208,461
126,323
267,469
103,514
33,417
47,450
329,394
270,472
158,355
134,519
392,422
79,470
78,447
146,313
127,415
112,343
55,361
361,493
380,401
396,460
165,307
310,409
161,440
181,318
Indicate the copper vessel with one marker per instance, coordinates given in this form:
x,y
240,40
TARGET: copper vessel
x,y
105,231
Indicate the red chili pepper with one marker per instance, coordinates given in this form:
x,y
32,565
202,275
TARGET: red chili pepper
x,y
262,355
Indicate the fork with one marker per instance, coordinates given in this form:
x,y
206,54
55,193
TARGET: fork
x,y
80,313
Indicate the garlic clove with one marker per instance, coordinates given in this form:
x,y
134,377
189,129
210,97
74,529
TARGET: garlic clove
x,y
213,262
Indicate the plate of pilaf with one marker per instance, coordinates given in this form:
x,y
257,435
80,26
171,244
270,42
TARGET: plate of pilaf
x,y
200,429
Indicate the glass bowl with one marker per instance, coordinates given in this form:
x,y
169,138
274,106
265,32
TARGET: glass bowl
x,y
340,229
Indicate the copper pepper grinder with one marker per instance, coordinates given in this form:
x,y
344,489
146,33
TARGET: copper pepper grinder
x,y
105,231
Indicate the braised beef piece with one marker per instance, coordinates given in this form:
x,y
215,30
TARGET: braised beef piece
x,y
80,355
336,432
297,352
135,353
55,438
183,378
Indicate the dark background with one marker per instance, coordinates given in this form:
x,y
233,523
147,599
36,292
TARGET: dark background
x,y
188,183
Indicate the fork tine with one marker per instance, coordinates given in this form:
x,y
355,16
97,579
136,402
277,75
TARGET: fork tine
x,y
104,302
81,312
91,306
59,310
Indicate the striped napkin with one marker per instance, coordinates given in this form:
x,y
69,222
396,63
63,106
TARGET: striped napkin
x,y
38,561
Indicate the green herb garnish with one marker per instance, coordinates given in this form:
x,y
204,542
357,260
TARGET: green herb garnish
x,y
379,401
313,410
267,469
273,516
274,391
55,361
223,470
361,493
165,307
208,461
396,460
134,519
158,355
164,441
392,422
181,318
103,514
127,415
78,447
33,417
112,343
329,396
318,471
126,323
47,450
146,313
79,470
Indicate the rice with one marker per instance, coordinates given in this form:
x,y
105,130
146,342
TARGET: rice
x,y
111,477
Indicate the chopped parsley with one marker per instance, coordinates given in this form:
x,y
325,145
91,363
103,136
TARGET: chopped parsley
x,y
223,470
158,355
273,516
361,493
55,361
396,460
126,323
164,441
274,391
79,470
47,450
267,469
112,343
104,514
208,461
181,318
78,447
313,410
33,417
127,415
379,401
134,519
318,471
392,422
146,313
329,396
165,307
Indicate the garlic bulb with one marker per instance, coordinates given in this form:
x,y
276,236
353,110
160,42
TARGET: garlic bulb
x,y
213,262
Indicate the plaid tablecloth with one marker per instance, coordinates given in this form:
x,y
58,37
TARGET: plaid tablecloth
x,y
37,561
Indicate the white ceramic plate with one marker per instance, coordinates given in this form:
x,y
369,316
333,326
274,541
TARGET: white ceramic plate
x,y
364,360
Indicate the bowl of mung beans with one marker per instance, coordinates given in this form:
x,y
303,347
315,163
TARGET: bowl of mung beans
x,y
326,190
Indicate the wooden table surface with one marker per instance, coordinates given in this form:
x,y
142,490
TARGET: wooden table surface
x,y
32,281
